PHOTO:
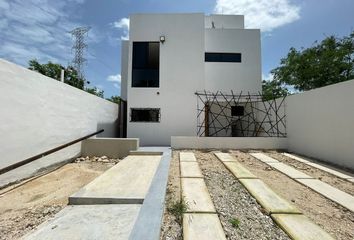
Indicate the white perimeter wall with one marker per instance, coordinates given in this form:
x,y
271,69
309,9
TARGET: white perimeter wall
x,y
320,123
38,113
244,76
181,75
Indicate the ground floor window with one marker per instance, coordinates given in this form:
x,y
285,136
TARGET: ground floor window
x,y
145,115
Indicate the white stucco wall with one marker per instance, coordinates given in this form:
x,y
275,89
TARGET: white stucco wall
x,y
181,74
244,76
39,113
320,123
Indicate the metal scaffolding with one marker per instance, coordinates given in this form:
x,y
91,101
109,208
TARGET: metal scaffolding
x,y
240,115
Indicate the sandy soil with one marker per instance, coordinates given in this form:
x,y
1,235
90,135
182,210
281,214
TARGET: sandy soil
x,y
333,180
334,219
27,206
172,227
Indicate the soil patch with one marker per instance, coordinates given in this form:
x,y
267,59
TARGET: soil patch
x,y
26,206
333,218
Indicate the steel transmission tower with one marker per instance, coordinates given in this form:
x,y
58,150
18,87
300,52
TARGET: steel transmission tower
x,y
79,35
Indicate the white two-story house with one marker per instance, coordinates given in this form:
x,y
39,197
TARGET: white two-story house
x,y
170,57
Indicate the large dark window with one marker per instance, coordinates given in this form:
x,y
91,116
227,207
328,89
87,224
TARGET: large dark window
x,y
146,56
145,115
222,57
237,111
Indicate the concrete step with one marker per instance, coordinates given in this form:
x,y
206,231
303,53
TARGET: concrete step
x,y
196,195
126,182
190,169
187,157
267,198
299,227
200,226
89,222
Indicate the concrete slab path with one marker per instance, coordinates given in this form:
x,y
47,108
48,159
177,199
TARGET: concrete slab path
x,y
190,170
224,157
264,158
126,182
89,222
199,226
267,198
197,196
187,157
342,198
234,166
299,227
325,168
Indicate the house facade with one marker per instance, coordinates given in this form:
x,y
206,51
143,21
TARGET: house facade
x,y
170,57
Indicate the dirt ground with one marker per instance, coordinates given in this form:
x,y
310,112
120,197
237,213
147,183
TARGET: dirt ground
x,y
171,228
333,218
333,180
25,207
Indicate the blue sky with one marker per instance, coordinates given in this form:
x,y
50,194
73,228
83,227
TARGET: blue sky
x,y
39,28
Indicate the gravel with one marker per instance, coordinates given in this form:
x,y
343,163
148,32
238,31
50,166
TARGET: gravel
x,y
233,202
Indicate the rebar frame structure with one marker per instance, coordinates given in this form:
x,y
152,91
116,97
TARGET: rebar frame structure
x,y
261,118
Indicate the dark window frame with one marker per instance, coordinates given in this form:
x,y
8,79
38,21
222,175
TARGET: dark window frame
x,y
223,57
145,109
144,66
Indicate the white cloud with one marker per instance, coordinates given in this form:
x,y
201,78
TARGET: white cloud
x,y
123,24
114,78
268,77
116,85
37,29
264,14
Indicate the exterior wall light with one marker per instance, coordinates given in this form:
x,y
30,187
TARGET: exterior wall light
x,y
162,39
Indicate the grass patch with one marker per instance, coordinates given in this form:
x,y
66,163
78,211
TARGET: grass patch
x,y
178,208
234,222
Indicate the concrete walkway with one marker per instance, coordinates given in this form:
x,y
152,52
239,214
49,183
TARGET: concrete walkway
x,y
200,221
123,201
342,198
329,169
288,217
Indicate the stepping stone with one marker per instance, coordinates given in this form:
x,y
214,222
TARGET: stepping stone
x,y
289,171
264,158
190,169
202,227
238,170
299,227
187,157
89,222
126,182
342,198
319,166
268,199
196,195
225,157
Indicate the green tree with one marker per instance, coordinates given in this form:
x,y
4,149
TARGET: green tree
x,y
273,89
53,70
328,62
115,99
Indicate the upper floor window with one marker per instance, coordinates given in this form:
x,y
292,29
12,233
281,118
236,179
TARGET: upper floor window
x,y
146,62
222,57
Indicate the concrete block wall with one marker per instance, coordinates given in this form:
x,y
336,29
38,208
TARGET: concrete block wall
x,y
320,123
39,113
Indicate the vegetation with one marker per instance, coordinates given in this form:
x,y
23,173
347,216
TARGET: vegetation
x,y
234,222
273,89
53,70
327,62
178,208
115,99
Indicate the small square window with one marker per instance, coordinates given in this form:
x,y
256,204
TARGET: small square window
x,y
237,111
